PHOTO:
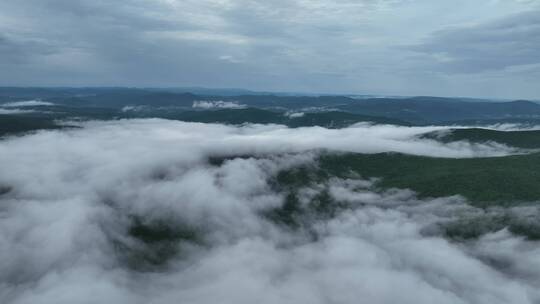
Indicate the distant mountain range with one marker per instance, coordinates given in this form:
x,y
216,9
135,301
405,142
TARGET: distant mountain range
x,y
172,102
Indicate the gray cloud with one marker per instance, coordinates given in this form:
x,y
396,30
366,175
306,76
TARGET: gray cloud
x,y
498,45
18,51
331,46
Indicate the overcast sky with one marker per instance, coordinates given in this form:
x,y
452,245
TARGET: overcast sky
x,y
480,48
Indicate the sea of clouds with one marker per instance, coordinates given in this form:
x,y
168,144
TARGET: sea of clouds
x,y
68,198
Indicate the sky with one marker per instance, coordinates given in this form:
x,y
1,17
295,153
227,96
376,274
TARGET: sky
x,y
481,48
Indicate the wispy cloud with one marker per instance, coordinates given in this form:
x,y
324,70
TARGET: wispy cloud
x,y
27,103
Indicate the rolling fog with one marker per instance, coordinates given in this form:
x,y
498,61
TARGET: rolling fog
x,y
69,197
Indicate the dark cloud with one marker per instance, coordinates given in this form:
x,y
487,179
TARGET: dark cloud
x,y
13,51
8,50
497,45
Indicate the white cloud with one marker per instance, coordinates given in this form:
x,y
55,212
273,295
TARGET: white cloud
x,y
217,104
294,114
133,108
14,111
27,103
74,192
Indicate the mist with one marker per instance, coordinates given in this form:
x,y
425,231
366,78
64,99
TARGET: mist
x,y
69,200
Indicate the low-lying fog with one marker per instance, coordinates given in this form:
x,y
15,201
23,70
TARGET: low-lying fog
x,y
69,199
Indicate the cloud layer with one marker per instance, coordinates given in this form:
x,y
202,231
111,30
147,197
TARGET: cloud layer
x,y
408,47
70,197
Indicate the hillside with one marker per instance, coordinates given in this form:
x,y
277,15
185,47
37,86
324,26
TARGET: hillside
x,y
518,139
